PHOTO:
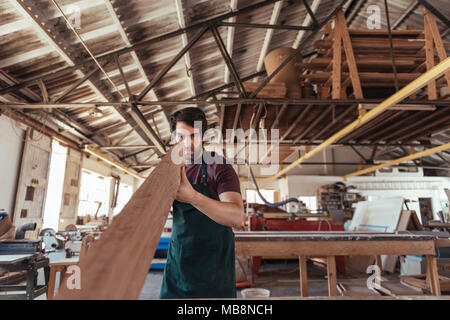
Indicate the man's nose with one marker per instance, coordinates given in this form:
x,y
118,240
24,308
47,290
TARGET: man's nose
x,y
187,143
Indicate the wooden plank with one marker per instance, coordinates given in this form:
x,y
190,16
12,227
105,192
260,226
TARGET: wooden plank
x,y
117,264
395,288
442,243
303,276
356,288
338,248
270,90
329,236
432,275
372,63
378,46
430,21
419,281
364,76
353,69
337,62
331,273
384,32
429,53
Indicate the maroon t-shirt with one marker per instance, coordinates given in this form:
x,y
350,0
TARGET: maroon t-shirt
x,y
221,177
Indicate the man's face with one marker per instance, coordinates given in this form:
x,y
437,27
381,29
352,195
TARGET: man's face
x,y
191,139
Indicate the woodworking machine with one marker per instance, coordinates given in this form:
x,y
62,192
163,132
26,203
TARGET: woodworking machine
x,y
70,241
22,259
294,221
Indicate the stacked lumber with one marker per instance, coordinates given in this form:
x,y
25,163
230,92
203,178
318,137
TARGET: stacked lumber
x,y
359,288
360,59
275,90
117,264
420,281
356,289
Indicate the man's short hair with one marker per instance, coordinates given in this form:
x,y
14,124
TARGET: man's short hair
x,y
188,116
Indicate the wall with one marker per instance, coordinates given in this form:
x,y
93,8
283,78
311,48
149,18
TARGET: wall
x,y
410,188
11,145
376,187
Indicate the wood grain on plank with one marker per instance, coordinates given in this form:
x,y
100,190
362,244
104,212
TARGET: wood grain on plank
x,y
116,265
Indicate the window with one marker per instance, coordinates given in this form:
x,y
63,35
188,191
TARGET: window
x,y
269,195
125,193
94,194
310,202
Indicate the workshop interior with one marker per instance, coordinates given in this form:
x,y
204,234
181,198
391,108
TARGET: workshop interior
x,y
345,194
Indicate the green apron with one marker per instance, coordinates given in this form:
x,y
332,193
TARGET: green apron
x,y
200,261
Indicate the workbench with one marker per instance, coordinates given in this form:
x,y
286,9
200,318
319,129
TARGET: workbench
x,y
330,244
61,267
29,262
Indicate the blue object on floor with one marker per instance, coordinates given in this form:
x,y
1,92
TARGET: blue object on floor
x,y
162,245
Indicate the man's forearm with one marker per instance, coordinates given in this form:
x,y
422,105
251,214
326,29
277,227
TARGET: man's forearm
x,y
225,213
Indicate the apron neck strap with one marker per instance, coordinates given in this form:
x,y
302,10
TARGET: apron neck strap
x,y
204,173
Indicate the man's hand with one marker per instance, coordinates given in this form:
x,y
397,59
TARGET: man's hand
x,y
186,193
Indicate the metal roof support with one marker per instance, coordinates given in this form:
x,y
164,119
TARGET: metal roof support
x,y
359,154
413,5
230,39
61,45
311,13
436,12
306,23
434,73
138,45
124,79
78,83
133,53
184,42
225,86
161,74
355,12
269,33
228,61
229,101
334,122
273,26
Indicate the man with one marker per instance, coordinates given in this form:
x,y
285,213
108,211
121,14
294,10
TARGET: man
x,y
200,261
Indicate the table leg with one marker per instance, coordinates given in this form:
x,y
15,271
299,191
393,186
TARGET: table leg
x,y
303,277
331,272
433,276
51,283
62,277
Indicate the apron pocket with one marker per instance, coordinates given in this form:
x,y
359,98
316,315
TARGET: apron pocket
x,y
199,265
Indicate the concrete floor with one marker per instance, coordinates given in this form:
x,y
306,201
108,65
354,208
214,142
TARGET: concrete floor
x,y
280,277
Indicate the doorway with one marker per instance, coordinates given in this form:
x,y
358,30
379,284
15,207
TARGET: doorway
x,y
53,198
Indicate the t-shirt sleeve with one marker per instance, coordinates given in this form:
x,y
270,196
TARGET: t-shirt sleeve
x,y
226,179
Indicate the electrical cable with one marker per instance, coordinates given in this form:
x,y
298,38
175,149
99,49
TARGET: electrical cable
x,y
275,204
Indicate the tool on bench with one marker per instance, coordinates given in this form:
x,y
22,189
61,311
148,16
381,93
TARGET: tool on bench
x,y
22,258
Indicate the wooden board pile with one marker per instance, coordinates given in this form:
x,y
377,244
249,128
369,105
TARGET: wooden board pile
x,y
362,58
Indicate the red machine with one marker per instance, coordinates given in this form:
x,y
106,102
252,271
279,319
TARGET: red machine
x,y
261,223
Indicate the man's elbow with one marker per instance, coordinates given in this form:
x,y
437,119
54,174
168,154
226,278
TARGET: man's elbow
x,y
239,219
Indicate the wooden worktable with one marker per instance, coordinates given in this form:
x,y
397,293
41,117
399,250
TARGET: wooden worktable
x,y
330,244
